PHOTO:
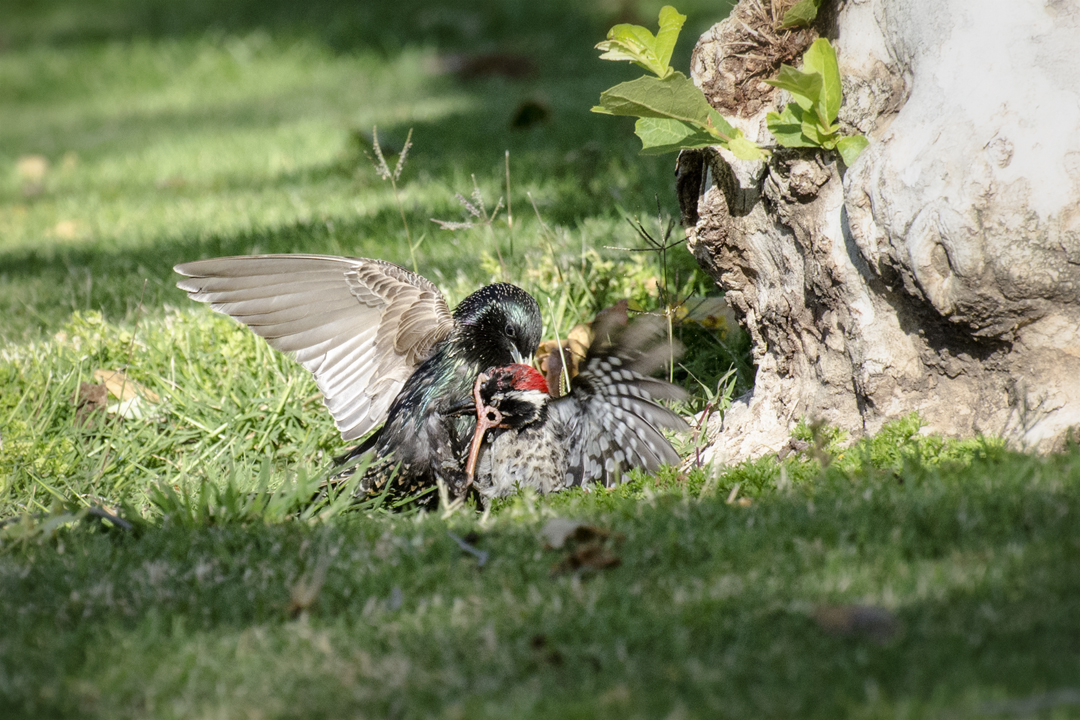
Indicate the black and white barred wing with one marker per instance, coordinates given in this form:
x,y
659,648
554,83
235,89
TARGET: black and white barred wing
x,y
611,419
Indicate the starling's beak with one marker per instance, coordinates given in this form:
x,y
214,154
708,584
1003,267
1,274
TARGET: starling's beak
x,y
486,418
519,358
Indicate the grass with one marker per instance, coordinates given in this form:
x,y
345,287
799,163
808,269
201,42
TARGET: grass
x,y
902,576
714,610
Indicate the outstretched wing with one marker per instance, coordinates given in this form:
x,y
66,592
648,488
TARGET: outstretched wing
x,y
360,326
611,416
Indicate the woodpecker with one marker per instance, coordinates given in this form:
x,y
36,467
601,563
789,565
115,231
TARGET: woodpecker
x,y
384,348
607,424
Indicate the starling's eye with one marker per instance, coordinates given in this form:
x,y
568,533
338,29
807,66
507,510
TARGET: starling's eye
x,y
510,331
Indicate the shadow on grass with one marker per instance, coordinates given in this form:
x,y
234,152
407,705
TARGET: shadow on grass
x,y
578,167
712,608
344,25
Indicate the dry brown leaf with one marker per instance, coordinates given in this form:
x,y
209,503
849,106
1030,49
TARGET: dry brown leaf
x,y
32,168
876,623
496,64
123,388
590,545
550,362
579,339
66,230
89,399
556,531
574,349
588,556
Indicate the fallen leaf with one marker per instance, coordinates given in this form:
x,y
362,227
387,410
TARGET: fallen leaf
x,y
32,168
557,531
89,399
66,230
122,387
878,624
529,113
713,313
496,64
550,362
588,556
590,551
579,338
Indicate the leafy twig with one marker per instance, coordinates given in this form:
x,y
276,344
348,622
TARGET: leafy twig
x,y
673,113
809,119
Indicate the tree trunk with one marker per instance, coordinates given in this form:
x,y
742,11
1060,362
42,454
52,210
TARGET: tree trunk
x,y
940,274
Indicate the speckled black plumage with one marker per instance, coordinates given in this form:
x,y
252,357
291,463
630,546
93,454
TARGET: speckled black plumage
x,y
420,443
607,424
385,351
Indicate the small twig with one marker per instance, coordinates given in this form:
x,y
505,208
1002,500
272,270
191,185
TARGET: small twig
x,y
93,511
752,31
545,234
480,555
106,515
509,207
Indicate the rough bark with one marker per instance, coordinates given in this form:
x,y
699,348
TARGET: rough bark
x,y
941,272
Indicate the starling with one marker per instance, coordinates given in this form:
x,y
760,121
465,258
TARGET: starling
x,y
384,347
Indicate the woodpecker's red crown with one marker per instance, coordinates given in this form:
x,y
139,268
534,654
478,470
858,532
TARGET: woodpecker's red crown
x,y
518,377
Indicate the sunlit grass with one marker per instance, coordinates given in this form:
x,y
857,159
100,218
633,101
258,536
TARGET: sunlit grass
x,y
136,135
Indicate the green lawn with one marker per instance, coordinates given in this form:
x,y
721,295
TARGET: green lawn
x,y
908,578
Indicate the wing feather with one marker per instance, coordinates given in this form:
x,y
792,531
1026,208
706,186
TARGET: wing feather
x,y
361,326
612,419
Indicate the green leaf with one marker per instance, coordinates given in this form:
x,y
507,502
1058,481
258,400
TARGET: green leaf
x,y
661,135
851,147
744,149
787,126
821,59
816,134
671,23
801,13
639,46
723,129
804,88
633,43
674,97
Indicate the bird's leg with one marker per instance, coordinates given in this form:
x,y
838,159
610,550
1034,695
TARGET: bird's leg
x,y
486,417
